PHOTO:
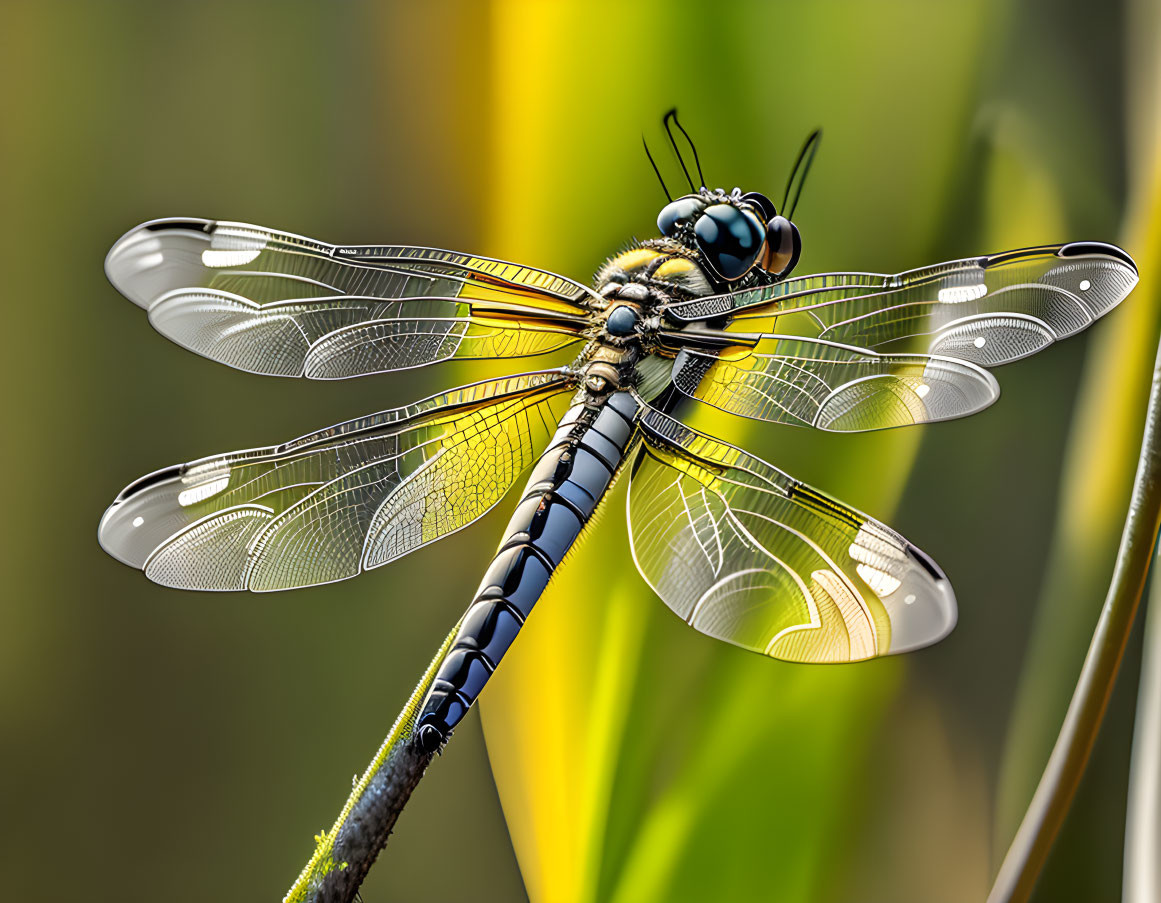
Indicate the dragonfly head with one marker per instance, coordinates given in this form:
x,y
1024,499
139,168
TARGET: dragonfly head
x,y
733,233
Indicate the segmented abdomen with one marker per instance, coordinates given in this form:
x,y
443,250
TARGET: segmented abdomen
x,y
558,500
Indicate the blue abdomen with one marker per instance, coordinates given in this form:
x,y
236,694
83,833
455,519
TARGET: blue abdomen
x,y
558,500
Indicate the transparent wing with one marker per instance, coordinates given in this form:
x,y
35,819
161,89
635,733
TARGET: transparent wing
x,y
746,554
987,310
833,387
331,504
275,303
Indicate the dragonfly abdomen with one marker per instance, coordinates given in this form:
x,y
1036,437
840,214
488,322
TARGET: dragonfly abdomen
x,y
562,492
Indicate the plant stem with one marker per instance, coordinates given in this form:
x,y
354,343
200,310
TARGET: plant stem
x,y
1062,774
1142,881
345,853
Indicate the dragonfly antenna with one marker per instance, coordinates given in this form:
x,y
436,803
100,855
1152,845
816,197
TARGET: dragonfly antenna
x,y
692,146
645,144
809,149
673,143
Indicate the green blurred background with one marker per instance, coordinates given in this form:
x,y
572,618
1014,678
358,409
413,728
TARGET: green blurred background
x,y
168,746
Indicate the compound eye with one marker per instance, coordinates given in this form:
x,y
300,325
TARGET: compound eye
x,y
730,239
762,204
783,245
678,213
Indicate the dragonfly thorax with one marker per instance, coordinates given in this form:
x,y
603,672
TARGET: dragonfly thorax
x,y
635,286
652,274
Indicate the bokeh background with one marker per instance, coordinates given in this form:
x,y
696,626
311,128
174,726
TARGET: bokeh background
x,y
156,745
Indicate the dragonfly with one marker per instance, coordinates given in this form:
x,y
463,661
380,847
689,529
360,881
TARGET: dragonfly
x,y
706,313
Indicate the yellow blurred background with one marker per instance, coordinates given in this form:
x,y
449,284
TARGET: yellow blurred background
x,y
158,745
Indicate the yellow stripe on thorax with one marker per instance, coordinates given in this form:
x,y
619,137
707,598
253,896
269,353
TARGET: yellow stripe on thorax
x,y
635,258
674,267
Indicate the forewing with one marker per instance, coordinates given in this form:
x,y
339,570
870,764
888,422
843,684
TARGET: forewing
x,y
987,310
280,304
746,554
833,387
328,505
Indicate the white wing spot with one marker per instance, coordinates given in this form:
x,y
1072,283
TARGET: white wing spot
x,y
1085,285
220,257
922,390
138,521
909,599
958,294
980,341
880,581
200,493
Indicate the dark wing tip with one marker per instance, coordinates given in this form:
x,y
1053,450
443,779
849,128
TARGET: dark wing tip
x,y
926,561
158,255
152,479
1089,248
161,225
923,609
144,514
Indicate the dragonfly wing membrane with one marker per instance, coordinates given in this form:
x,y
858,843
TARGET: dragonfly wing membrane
x,y
334,503
833,387
378,346
279,304
744,553
987,310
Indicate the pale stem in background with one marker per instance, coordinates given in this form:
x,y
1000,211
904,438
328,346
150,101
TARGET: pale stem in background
x,y
1142,883
1041,823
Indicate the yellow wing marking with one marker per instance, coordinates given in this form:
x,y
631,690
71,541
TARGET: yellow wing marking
x,y
514,297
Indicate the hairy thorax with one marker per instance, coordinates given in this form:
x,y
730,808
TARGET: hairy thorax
x,y
634,285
